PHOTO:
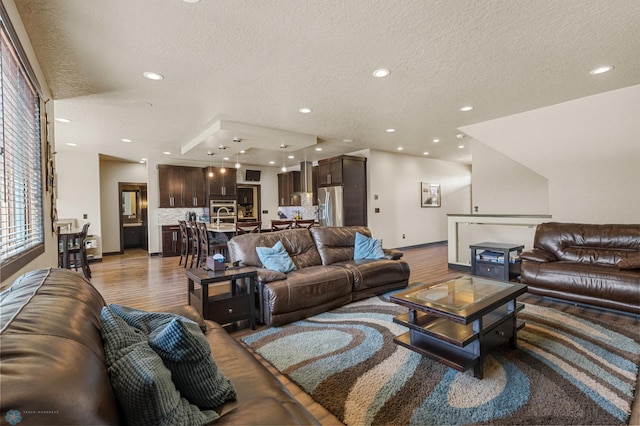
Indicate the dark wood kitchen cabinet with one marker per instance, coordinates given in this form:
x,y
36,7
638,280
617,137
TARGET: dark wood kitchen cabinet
x,y
132,236
343,170
288,183
181,186
170,240
171,184
221,186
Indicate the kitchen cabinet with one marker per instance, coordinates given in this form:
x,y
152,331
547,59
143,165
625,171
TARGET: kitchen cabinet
x,y
221,186
171,184
288,183
181,186
343,170
314,184
171,240
194,187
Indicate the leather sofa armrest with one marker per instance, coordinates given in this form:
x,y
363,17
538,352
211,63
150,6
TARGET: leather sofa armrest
x,y
537,255
189,312
267,276
392,254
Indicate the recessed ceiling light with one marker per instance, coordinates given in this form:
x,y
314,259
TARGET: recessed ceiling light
x,y
318,149
305,110
460,146
166,153
63,120
272,162
71,144
390,130
460,135
153,75
436,140
125,140
291,157
242,152
382,72
399,148
191,1
601,70
347,140
142,161
466,108
425,153
225,158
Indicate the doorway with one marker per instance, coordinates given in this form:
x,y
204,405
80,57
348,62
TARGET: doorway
x,y
249,203
133,216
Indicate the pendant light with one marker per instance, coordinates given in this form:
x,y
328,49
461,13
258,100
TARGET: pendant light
x,y
284,168
237,165
209,153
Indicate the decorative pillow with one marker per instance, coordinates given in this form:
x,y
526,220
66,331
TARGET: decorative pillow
x,y
141,382
276,258
629,263
367,248
185,352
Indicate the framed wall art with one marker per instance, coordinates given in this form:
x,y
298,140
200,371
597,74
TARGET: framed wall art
x,y
429,194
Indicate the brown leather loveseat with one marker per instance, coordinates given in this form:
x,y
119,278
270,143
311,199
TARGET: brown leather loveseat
x,y
595,265
53,368
326,275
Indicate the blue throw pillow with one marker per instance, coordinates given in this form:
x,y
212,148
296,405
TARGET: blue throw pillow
x,y
367,248
276,258
185,352
141,382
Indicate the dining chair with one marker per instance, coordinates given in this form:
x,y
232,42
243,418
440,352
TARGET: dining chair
x,y
185,242
279,225
76,253
305,223
194,243
248,228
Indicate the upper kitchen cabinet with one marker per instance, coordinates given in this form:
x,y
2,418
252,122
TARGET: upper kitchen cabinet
x,y
171,183
194,187
221,186
344,170
288,184
181,186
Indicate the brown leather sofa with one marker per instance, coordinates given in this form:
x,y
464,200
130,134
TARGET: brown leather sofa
x,y
326,275
595,265
53,368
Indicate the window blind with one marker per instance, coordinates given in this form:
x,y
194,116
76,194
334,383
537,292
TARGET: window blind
x,y
21,210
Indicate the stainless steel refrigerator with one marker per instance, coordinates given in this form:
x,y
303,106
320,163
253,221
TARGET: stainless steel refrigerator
x,y
331,206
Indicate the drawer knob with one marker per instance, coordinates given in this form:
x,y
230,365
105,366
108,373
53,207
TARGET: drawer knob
x,y
500,333
230,310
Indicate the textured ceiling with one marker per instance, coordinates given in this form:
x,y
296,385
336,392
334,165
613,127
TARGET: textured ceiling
x,y
257,62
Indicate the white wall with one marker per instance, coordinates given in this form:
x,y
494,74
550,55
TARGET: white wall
x,y
78,177
111,173
395,179
588,149
501,185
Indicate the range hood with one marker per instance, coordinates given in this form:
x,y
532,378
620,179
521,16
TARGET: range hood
x,y
306,174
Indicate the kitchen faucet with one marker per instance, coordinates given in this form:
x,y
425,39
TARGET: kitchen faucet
x,y
218,214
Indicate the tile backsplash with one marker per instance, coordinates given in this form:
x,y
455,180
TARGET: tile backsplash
x,y
173,215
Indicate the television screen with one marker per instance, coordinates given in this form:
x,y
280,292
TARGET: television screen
x,y
252,175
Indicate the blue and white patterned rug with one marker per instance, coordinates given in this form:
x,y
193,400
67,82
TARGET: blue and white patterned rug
x,y
566,370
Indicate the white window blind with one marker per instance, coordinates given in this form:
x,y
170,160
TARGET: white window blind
x,y
21,211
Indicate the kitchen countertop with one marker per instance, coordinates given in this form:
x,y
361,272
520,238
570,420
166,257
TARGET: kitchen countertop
x,y
128,225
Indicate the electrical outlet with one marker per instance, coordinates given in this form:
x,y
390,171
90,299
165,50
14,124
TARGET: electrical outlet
x,y
377,210
84,216
403,236
265,211
375,197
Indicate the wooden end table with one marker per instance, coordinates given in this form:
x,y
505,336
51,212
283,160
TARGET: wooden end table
x,y
235,303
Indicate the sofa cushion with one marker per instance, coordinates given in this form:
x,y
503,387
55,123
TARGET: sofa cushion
x,y
369,273
367,248
336,244
140,380
276,258
297,242
629,263
184,350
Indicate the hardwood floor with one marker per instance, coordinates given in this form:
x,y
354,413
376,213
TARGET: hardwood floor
x,y
154,283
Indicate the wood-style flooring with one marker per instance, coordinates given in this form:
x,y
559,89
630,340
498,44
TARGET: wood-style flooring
x,y
155,283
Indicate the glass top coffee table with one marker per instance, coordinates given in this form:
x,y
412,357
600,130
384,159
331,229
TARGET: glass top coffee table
x,y
459,321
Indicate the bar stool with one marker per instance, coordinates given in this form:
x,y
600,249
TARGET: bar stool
x,y
248,228
305,223
279,225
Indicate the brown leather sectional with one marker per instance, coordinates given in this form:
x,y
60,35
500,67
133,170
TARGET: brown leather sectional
x,y
595,265
326,275
53,368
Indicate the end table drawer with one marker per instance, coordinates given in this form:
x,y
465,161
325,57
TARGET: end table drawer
x,y
488,270
229,309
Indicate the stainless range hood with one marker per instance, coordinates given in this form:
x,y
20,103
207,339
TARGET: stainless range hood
x,y
306,183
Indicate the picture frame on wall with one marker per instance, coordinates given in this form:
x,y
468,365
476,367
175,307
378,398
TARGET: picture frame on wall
x,y
430,195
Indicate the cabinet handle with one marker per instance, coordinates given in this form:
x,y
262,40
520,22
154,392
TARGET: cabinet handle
x,y
175,236
500,333
328,177
171,201
230,310
223,190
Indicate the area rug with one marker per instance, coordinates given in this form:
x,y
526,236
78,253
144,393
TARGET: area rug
x,y
566,370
